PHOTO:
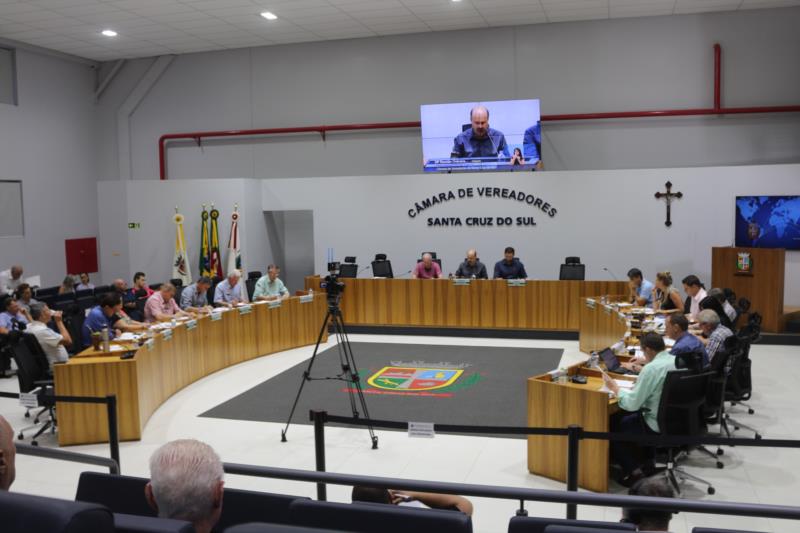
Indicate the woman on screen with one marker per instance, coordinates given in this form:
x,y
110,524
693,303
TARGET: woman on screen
x,y
517,160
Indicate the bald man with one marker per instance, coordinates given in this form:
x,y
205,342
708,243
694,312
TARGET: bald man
x,y
472,267
8,452
480,140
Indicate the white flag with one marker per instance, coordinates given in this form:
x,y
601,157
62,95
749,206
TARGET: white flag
x,y
180,266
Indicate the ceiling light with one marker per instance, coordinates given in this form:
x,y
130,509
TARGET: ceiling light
x,y
109,33
269,15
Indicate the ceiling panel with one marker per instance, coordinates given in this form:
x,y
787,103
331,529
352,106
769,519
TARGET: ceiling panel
x,y
151,27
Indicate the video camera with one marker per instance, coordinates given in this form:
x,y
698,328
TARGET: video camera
x,y
333,287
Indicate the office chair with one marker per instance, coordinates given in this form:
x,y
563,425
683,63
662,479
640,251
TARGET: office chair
x,y
709,302
687,305
103,289
254,274
45,292
154,286
680,413
84,293
739,386
382,267
250,284
572,260
177,282
721,366
33,374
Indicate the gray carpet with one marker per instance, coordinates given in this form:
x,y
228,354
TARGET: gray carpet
x,y
489,386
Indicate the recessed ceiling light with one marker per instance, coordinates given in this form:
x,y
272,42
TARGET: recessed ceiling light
x,y
269,15
109,33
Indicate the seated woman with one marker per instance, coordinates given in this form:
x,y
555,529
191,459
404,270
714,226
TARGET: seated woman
x,y
665,296
67,286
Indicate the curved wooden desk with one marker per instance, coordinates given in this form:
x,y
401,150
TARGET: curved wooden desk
x,y
158,371
482,304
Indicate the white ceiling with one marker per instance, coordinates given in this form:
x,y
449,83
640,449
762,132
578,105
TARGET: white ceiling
x,y
155,27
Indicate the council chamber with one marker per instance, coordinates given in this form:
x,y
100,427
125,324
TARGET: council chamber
x,y
373,266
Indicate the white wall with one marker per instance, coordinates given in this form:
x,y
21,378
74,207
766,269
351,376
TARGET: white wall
x,y
150,248
608,65
46,141
608,218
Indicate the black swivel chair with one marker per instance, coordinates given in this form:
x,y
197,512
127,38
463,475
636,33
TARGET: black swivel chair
x,y
721,366
739,386
33,374
382,267
177,282
349,267
535,524
680,413
250,285
24,513
254,274
572,269
709,302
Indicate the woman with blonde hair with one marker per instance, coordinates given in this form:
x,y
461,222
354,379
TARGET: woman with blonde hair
x,y
665,296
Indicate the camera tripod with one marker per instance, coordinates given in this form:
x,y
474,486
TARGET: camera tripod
x,y
349,373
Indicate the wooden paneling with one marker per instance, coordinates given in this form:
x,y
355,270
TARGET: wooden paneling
x,y
600,325
143,383
547,305
764,288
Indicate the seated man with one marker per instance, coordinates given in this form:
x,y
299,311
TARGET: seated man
x,y
270,287
186,483
649,519
676,327
161,306
472,267
407,498
101,316
509,267
693,288
640,291
719,295
229,291
714,333
24,296
85,283
13,316
639,403
11,281
427,268
8,452
194,298
479,140
53,344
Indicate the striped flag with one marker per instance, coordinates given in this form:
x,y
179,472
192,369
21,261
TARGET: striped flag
x,y
180,266
205,263
234,252
215,261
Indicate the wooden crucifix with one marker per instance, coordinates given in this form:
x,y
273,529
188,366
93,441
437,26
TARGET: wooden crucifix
x,y
669,195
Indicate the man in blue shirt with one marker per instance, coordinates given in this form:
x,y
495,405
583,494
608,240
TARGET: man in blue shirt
x,y
509,267
13,316
101,316
230,292
676,328
479,140
532,143
641,290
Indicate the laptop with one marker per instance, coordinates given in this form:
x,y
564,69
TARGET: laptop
x,y
612,362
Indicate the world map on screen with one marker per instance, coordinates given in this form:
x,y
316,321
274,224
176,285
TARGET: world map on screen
x,y
768,221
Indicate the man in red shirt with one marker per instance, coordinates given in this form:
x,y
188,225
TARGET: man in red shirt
x,y
427,268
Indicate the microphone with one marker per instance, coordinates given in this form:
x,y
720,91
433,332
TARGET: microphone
x,y
405,274
610,273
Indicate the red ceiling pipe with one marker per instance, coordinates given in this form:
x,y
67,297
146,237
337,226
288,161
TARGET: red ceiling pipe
x,y
717,76
322,129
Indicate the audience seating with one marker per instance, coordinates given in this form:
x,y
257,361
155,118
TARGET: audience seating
x,y
260,527
84,292
368,518
46,292
23,513
532,524
125,494
128,523
717,530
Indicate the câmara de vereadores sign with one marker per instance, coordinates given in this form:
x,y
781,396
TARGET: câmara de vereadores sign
x,y
517,196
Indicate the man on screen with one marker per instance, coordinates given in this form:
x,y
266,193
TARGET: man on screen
x,y
532,145
480,140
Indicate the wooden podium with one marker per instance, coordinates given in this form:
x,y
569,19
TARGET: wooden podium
x,y
761,281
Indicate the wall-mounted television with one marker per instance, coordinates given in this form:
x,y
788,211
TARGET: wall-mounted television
x,y
768,221
489,136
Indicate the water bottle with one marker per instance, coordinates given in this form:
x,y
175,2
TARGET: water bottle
x,y
562,375
594,360
106,340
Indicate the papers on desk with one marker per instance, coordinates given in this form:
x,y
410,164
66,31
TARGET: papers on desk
x,y
119,348
127,336
624,384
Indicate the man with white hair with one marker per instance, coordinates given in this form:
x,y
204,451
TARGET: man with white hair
x,y
186,483
8,452
10,281
229,292
161,306
714,333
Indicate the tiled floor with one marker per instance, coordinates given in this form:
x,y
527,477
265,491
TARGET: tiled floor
x,y
756,475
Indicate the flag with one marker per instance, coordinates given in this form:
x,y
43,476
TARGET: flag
x,y
234,253
205,268
180,266
215,261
